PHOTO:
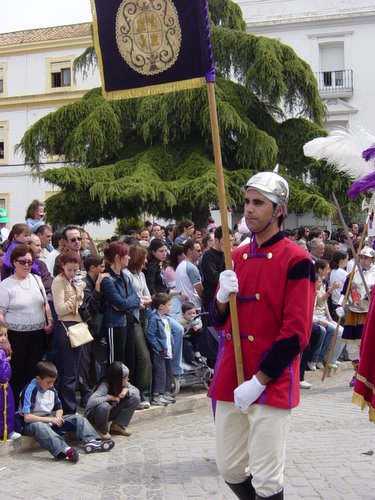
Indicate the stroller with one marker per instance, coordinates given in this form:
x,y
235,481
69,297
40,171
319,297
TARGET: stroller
x,y
200,373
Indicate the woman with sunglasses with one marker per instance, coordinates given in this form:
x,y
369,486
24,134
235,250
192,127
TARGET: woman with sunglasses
x,y
25,309
67,292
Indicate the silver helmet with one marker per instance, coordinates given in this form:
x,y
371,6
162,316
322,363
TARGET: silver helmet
x,y
271,185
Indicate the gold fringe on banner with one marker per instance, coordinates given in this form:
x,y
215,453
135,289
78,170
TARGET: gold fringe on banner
x,y
155,89
363,404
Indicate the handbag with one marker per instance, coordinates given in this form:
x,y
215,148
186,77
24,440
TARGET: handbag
x,y
78,334
84,312
95,324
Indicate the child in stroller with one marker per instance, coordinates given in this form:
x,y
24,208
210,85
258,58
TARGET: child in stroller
x,y
192,332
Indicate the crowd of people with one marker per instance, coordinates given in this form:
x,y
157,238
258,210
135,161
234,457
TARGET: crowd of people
x,y
145,298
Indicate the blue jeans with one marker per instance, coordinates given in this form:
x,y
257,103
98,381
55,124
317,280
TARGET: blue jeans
x,y
322,349
47,436
178,335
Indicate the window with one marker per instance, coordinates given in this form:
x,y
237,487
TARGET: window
x,y
332,64
2,142
60,74
1,80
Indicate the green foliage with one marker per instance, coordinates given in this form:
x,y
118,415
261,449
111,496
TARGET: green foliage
x,y
155,154
127,224
226,14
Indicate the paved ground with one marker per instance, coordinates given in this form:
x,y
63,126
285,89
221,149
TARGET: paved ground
x,y
172,457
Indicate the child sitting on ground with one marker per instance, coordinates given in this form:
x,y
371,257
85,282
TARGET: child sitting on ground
x,y
43,417
113,399
160,339
7,415
192,331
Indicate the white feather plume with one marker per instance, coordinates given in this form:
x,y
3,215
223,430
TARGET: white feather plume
x,y
342,149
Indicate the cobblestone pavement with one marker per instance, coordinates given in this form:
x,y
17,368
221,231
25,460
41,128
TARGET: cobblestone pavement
x,y
172,457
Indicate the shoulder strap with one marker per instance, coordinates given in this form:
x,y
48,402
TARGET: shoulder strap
x,y
42,291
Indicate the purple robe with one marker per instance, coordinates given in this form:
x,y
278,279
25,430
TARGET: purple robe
x,y
6,396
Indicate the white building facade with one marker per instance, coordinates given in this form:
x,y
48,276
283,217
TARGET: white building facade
x,y
335,38
36,78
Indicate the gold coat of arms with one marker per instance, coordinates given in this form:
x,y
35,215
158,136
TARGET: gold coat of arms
x,y
148,35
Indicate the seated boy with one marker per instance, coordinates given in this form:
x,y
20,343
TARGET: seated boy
x,y
43,416
192,332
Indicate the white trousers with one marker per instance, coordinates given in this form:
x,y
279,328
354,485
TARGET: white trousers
x,y
252,443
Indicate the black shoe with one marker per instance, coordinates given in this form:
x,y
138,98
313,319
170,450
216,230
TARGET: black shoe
x,y
244,490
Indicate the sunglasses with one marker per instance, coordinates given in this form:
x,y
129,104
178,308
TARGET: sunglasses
x,y
24,262
73,240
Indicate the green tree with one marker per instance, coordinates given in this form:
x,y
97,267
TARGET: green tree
x,y
154,154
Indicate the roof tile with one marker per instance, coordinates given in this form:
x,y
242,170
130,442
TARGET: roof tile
x,y
46,34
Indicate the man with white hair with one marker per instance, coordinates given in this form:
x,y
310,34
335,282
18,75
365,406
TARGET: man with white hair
x,y
317,248
273,279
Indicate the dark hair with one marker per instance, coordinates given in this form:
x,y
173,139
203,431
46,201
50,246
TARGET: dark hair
x,y
321,264
18,229
20,251
337,256
92,260
181,226
46,369
69,228
206,239
188,245
32,208
113,249
160,299
43,228
68,257
155,244
56,238
218,233
301,232
175,251
169,229
137,255
187,306
113,377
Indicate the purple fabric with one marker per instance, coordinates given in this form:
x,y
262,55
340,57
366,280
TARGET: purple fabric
x,y
369,153
363,185
5,374
8,268
194,59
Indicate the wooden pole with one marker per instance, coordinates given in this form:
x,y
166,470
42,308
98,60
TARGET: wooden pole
x,y
356,263
225,228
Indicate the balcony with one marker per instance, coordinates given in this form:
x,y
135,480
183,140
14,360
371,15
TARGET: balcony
x,y
335,83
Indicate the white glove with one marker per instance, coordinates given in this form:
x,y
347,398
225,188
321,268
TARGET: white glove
x,y
228,283
340,312
247,393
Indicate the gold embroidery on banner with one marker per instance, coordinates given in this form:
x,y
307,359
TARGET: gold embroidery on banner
x,y
148,35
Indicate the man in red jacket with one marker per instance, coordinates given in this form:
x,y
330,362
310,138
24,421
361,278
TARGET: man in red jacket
x,y
273,279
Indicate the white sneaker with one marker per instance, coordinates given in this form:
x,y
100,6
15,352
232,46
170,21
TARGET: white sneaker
x,y
304,385
312,366
13,436
338,363
320,365
332,365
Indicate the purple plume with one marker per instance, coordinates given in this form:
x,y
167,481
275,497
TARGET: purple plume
x,y
369,153
363,185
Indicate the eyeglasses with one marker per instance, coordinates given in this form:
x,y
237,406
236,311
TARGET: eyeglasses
x,y
73,240
24,262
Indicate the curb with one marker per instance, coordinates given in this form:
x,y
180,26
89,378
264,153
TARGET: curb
x,y
186,402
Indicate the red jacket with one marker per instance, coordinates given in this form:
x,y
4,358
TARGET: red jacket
x,y
275,305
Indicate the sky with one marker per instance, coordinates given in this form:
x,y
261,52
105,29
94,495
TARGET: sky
x,y
18,15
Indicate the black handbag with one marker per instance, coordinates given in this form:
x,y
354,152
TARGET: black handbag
x,y
83,311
